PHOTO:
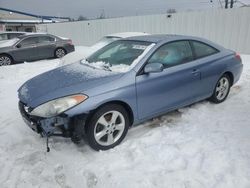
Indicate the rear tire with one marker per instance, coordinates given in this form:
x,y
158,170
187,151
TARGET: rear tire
x,y
60,52
6,60
107,127
221,89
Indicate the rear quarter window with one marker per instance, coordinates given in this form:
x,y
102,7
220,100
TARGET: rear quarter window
x,y
202,50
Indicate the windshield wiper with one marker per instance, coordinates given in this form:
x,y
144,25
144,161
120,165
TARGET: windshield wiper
x,y
96,65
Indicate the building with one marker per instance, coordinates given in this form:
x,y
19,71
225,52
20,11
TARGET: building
x,y
13,20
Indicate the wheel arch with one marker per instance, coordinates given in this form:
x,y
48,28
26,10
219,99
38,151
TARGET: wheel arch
x,y
7,54
125,105
231,76
60,47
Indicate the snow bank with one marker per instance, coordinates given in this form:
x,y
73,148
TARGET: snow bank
x,y
203,145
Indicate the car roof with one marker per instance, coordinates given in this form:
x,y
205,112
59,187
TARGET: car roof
x,y
161,38
158,38
126,34
21,32
32,34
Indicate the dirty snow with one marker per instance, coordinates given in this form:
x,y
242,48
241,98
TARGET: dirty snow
x,y
203,145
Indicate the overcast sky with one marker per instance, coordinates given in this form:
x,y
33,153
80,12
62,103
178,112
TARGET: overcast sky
x,y
112,8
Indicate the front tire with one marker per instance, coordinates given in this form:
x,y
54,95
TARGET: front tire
x,y
107,127
221,90
60,52
6,60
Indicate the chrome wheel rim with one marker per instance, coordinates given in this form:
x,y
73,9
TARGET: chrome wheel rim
x,y
109,128
60,53
222,88
4,60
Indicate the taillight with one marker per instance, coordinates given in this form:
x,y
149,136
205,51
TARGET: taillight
x,y
70,42
237,56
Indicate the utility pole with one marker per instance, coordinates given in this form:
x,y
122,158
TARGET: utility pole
x,y
226,4
231,3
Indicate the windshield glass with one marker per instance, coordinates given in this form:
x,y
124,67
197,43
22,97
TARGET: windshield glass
x,y
104,41
120,53
7,43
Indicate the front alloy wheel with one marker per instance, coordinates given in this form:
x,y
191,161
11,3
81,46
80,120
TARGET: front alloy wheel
x,y
5,60
108,127
221,90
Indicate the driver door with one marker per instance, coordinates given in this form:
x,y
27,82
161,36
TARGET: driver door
x,y
26,49
175,86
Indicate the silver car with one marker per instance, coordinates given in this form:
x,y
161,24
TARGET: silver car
x,y
31,47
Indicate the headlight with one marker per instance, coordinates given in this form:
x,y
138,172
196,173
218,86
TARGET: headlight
x,y
57,106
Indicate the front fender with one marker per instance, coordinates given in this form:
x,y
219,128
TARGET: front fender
x,y
126,95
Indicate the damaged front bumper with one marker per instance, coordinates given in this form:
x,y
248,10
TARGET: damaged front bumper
x,y
61,125
54,126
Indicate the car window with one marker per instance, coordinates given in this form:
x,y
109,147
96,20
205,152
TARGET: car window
x,y
3,36
202,50
29,41
172,54
45,39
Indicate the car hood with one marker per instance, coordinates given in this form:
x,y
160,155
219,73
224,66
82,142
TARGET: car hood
x,y
63,81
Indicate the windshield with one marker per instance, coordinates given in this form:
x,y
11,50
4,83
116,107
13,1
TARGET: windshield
x,y
7,43
104,41
120,53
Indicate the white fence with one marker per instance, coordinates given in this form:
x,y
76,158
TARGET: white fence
x,y
230,28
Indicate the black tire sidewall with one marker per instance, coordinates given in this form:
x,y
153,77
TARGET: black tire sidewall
x,y
213,98
91,126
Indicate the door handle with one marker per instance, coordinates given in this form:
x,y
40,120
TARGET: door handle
x,y
195,71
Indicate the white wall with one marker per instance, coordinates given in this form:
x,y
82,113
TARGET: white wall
x,y
230,28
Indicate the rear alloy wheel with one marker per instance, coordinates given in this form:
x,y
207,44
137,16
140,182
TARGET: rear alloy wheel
x,y
60,52
221,90
108,127
5,60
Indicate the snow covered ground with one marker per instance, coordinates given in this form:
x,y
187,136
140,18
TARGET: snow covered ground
x,y
203,145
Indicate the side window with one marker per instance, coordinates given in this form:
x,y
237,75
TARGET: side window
x,y
172,54
45,39
203,50
29,41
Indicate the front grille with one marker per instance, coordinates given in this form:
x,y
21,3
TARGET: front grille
x,y
32,121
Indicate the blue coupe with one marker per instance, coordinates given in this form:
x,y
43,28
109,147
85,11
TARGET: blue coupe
x,y
125,83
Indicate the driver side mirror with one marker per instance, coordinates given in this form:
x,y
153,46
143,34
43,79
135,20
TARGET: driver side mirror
x,y
153,67
19,45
